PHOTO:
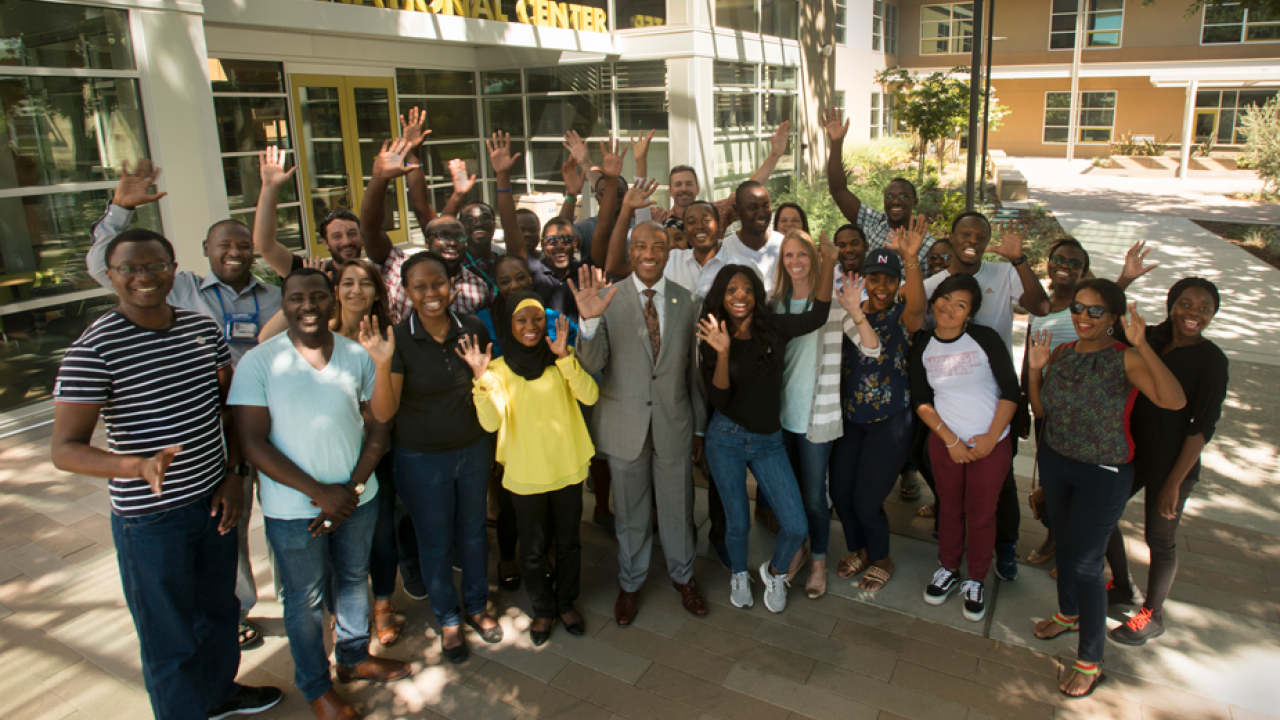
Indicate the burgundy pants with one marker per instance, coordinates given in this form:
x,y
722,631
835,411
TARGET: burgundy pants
x,y
967,499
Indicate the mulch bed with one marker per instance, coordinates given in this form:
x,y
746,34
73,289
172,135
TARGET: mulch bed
x,y
1236,234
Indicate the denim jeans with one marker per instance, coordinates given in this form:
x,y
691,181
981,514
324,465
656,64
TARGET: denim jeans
x,y
447,495
179,578
809,462
305,564
384,559
731,449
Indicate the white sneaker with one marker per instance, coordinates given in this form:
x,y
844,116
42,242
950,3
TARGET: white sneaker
x,y
975,607
775,589
740,590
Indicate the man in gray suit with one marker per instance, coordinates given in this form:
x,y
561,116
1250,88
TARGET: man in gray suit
x,y
651,414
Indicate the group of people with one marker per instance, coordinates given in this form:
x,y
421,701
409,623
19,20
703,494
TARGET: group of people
x,y
387,406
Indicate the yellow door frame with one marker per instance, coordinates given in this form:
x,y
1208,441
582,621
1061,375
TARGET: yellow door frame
x,y
346,87
1213,133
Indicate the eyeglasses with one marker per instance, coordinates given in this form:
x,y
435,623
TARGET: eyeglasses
x,y
944,257
1067,262
447,236
481,219
901,197
559,240
153,269
1095,311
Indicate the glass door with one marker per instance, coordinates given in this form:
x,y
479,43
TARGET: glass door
x,y
1206,125
342,123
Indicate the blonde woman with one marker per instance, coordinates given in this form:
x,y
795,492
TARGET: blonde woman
x,y
811,387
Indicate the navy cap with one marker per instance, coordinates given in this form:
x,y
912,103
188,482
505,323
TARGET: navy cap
x,y
882,261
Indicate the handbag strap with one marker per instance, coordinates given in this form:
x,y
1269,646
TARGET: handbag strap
x,y
1035,461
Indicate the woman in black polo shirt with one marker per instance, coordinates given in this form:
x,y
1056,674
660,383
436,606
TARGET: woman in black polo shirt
x,y
443,456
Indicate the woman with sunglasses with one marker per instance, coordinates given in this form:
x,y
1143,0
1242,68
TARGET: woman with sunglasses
x,y
1084,391
1169,475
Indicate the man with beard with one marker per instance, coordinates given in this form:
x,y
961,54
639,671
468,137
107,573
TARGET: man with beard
x,y
230,295
899,197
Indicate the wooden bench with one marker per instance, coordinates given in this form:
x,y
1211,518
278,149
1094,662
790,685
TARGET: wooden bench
x,y
1011,185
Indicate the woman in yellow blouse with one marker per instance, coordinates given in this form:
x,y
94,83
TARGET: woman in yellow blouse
x,y
530,397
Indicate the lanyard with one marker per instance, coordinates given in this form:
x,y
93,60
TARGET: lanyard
x,y
218,291
475,268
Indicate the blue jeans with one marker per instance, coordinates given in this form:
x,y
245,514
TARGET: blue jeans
x,y
305,564
447,496
731,449
179,578
809,462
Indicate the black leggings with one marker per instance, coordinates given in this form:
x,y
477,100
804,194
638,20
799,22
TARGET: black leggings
x,y
1161,535
540,517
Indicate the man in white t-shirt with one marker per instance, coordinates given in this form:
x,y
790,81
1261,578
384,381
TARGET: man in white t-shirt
x,y
1003,284
755,244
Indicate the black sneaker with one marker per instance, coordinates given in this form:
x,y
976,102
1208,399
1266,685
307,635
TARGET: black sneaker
x,y
975,607
1126,594
1007,561
944,581
1138,629
249,701
414,586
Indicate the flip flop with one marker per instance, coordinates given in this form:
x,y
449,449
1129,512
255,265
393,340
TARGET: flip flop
x,y
1063,625
1096,670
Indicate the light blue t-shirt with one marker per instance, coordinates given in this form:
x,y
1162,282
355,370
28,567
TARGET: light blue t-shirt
x,y
315,415
799,375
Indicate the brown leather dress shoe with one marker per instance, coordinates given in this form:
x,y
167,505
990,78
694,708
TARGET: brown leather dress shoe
x,y
624,609
691,597
331,706
376,669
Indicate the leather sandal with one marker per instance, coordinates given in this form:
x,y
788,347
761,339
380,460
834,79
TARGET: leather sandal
x,y
876,577
1055,625
850,565
1088,669
388,636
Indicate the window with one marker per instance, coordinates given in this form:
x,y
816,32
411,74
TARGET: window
x,y
876,117
842,22
639,13
72,115
1230,23
884,27
1105,19
946,29
881,124
780,18
1096,119
252,111
750,102
1218,113
837,102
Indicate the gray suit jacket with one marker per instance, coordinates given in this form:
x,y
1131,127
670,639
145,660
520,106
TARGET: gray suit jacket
x,y
638,391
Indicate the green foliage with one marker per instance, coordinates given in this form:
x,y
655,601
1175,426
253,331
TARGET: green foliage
x,y
1127,145
1206,147
943,207
1261,125
811,194
1154,148
1101,162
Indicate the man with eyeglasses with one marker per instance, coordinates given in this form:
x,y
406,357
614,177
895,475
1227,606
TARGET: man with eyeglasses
x,y
230,295
899,197
158,376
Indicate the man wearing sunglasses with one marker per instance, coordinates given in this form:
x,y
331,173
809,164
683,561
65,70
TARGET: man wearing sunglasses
x,y
899,197
229,294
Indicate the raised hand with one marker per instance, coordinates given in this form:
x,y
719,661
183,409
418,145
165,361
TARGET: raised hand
x,y
1039,350
1135,327
835,129
461,181
414,130
638,195
577,149
560,346
850,296
1134,259
586,293
640,146
469,350
500,156
713,334
778,143
828,253
611,159
907,241
380,347
389,162
573,180
131,191
658,214
154,467
1012,234
271,167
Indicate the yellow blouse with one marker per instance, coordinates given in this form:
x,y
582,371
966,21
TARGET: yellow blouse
x,y
542,438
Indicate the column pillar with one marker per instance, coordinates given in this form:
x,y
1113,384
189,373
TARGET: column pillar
x,y
1188,129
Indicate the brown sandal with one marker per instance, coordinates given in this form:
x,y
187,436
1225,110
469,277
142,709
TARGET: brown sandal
x,y
876,577
927,511
387,636
850,565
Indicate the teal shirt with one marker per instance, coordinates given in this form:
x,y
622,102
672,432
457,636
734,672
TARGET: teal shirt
x,y
799,374
315,415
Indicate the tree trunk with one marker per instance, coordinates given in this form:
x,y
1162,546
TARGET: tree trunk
x,y
922,153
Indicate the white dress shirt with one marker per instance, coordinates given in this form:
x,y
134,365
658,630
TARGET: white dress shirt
x,y
683,269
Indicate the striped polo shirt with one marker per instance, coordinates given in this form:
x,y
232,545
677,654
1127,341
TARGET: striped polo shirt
x,y
156,388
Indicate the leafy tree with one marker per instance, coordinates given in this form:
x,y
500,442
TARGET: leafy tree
x,y
1261,124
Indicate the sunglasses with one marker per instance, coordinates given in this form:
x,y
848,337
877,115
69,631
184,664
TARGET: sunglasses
x,y
1095,311
944,257
447,236
153,268
559,240
1067,262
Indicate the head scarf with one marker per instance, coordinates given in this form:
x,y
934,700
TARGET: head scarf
x,y
527,362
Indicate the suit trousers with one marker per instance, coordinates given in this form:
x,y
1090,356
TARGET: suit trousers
x,y
636,484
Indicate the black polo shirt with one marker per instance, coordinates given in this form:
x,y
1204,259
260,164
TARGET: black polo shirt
x,y
437,412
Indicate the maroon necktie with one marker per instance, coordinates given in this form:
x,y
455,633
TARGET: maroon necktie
x,y
651,320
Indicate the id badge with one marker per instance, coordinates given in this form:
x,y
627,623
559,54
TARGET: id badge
x,y
241,328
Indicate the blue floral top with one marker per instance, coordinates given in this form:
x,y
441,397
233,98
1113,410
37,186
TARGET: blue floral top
x,y
873,389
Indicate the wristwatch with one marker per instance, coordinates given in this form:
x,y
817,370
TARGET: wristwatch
x,y
359,488
1019,261
242,469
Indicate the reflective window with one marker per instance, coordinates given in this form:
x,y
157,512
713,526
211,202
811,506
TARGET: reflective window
x,y
38,34
1096,117
1230,23
639,13
946,29
1104,20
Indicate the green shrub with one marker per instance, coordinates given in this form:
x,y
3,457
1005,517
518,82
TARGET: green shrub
x,y
1261,125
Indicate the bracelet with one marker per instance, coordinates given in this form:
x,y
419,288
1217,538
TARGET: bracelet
x,y
912,265
1019,261
500,190
856,321
940,424
571,199
957,442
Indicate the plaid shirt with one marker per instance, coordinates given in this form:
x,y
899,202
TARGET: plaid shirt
x,y
396,296
875,225
473,293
